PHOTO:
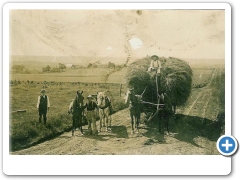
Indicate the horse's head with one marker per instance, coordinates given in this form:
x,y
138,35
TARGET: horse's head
x,y
130,92
138,98
165,99
162,97
101,98
79,98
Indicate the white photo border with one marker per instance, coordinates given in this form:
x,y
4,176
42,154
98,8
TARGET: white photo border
x,y
115,164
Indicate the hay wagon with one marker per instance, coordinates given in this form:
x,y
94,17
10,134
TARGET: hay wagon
x,y
174,81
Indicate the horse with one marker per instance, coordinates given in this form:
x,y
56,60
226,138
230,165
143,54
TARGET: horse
x,y
164,112
135,108
76,108
103,104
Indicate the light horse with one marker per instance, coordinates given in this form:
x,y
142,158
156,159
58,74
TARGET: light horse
x,y
76,108
103,104
135,108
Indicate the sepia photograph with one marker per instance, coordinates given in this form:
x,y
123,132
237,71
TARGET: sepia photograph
x,y
116,81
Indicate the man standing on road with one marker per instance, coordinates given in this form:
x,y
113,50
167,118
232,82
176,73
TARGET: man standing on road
x,y
43,105
91,115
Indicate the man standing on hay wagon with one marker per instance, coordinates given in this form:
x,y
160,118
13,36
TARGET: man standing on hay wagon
x,y
91,115
43,105
155,64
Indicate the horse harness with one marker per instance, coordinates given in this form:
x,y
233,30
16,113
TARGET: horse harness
x,y
107,104
91,106
132,100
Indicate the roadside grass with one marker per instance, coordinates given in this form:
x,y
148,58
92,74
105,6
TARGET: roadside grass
x,y
201,77
25,131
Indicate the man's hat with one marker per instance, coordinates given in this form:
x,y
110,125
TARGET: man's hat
x,y
154,56
43,91
90,96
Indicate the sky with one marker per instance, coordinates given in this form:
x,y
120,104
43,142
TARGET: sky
x,y
193,34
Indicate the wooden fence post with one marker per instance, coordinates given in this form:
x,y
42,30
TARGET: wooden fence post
x,y
120,91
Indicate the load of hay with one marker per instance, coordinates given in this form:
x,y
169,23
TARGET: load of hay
x,y
175,79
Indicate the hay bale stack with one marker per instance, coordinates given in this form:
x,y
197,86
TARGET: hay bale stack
x,y
138,78
175,79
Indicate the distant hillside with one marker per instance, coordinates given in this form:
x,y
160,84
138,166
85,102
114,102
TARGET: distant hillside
x,y
205,63
38,62
69,59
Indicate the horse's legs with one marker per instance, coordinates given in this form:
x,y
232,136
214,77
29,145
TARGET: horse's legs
x,y
106,118
73,124
138,119
160,119
135,118
167,122
160,125
100,123
132,121
135,121
110,121
80,123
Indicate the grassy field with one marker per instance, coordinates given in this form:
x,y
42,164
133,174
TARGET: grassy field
x,y
61,88
94,75
98,75
24,127
193,130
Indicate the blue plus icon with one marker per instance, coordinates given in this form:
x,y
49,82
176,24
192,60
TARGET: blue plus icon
x,y
227,145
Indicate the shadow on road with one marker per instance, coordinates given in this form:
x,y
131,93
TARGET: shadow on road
x,y
120,131
187,128
117,131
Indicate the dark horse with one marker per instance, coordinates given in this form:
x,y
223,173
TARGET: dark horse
x,y
76,107
164,112
135,108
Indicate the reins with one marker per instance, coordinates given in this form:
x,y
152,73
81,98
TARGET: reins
x,y
158,101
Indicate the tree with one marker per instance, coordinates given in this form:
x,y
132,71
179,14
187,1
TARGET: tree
x,y
111,65
61,66
18,68
94,66
55,69
89,65
46,69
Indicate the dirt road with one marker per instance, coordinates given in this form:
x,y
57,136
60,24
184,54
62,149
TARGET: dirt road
x,y
120,141
190,133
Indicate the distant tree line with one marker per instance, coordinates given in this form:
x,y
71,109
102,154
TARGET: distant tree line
x,y
108,65
58,68
20,69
